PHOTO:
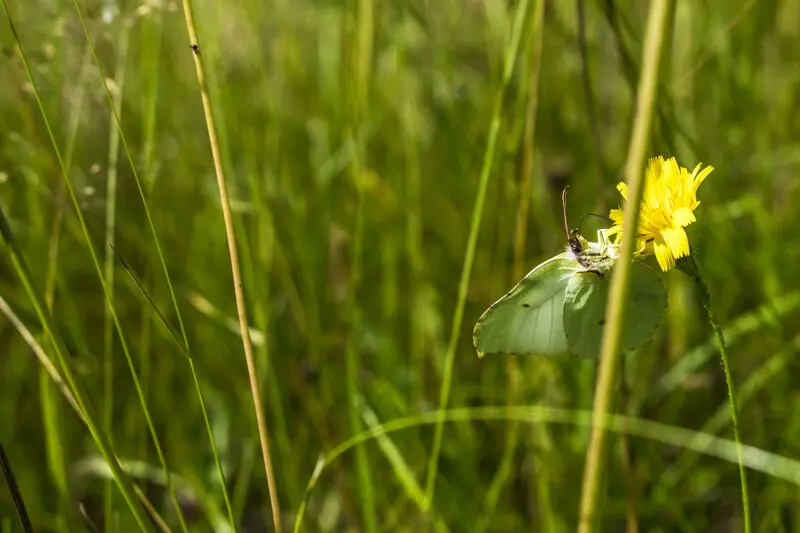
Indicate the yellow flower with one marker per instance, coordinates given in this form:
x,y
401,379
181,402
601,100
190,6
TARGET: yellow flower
x,y
668,204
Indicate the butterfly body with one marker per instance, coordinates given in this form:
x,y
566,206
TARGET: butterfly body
x,y
597,257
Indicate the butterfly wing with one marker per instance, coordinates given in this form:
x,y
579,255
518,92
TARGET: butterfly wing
x,y
585,307
529,319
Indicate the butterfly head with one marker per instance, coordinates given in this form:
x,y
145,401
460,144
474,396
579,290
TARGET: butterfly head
x,y
574,243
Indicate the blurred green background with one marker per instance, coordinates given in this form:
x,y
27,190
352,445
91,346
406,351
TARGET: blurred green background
x,y
353,135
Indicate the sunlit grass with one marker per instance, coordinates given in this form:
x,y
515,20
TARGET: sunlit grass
x,y
352,136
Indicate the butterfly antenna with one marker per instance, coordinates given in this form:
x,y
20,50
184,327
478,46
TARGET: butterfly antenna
x,y
593,215
564,205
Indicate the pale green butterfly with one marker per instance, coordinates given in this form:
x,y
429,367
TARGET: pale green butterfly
x,y
559,307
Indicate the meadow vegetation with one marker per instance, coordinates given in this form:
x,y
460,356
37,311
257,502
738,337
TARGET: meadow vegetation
x,y
357,137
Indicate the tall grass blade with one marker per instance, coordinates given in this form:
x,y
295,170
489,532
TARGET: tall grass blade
x,y
777,466
234,260
86,410
401,469
501,476
108,263
620,282
469,256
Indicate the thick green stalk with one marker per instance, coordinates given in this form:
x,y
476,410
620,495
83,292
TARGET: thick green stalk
x,y
620,281
691,267
234,260
469,256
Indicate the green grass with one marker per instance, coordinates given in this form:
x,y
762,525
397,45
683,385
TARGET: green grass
x,y
354,137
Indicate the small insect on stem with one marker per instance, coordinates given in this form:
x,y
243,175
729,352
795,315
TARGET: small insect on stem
x,y
195,48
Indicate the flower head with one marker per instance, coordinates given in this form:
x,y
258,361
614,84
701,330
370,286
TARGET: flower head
x,y
668,204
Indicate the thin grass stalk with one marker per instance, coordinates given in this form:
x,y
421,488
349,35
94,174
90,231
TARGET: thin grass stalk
x,y
234,260
469,256
198,389
403,472
159,521
353,362
151,63
50,370
16,495
263,157
620,280
265,250
356,100
93,253
151,117
145,370
108,264
503,472
415,257
51,409
48,367
64,362
691,267
99,436
772,464
528,149
627,460
591,111
259,254
541,440
253,263
416,261
173,296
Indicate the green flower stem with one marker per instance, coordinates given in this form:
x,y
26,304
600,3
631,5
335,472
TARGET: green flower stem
x,y
691,268
620,281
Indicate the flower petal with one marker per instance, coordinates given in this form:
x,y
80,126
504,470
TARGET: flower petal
x,y
668,202
677,241
702,176
683,216
665,259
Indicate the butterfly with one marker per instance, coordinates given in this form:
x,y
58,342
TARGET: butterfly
x,y
559,307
